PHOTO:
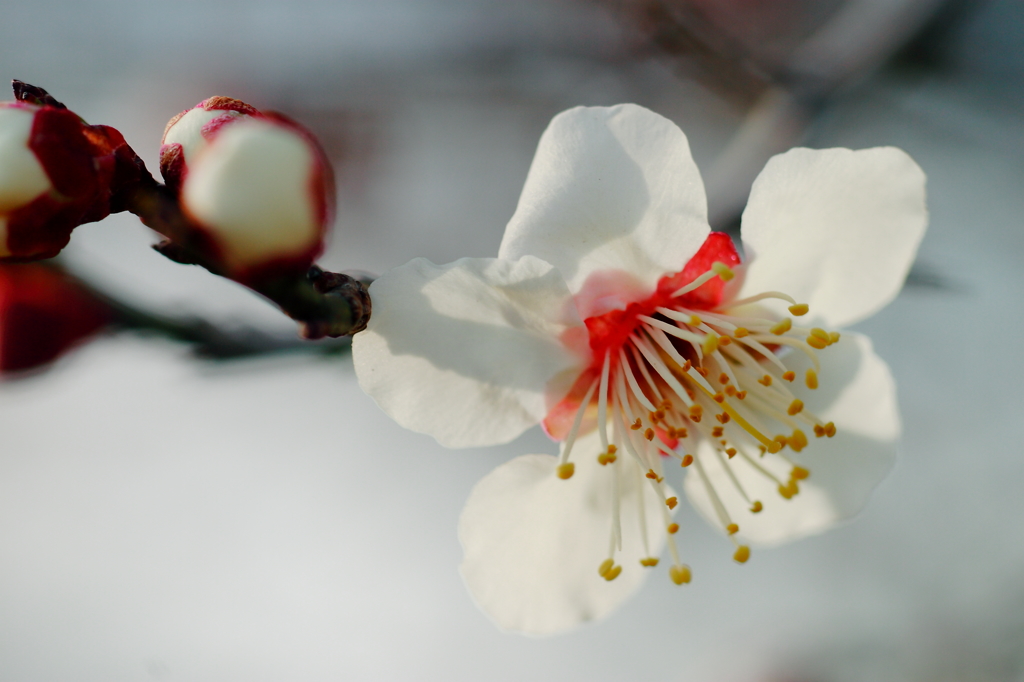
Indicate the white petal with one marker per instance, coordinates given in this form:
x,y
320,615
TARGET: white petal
x,y
835,228
464,352
610,189
533,542
858,394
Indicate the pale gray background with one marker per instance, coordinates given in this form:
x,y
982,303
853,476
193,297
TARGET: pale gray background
x,y
164,519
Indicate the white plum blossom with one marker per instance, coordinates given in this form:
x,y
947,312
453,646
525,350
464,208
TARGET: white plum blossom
x,y
615,318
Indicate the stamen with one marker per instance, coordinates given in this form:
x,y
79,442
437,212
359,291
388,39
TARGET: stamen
x,y
697,283
741,555
631,380
565,471
761,297
812,379
716,502
722,270
782,327
680,574
642,366
602,403
673,528
799,309
570,440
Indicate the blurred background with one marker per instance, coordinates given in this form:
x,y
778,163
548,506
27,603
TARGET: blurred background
x,y
164,517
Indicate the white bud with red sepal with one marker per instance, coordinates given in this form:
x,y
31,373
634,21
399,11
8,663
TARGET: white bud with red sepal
x,y
56,172
256,186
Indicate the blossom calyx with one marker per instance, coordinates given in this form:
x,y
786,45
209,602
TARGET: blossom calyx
x,y
256,187
43,314
56,172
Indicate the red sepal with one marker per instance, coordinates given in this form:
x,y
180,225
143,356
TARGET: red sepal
x,y
43,314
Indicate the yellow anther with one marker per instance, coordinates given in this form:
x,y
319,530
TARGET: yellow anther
x,y
812,379
766,380
672,502
696,412
816,343
730,390
774,446
606,458
686,367
833,337
782,441
799,309
605,566
695,321
723,378
732,529
710,344
723,271
724,340
740,332
756,507
701,371
731,452
565,471
687,460
681,433
780,328
722,418
612,448
649,561
799,473
637,425
717,432
649,434
741,555
613,573
786,492
666,404
830,429
798,441
680,574
719,398
651,475
819,431
789,376
795,407
820,333
740,395
673,528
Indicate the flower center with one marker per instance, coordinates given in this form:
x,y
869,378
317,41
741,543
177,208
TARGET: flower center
x,y
682,369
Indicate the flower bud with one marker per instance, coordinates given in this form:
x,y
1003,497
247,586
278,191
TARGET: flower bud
x,y
256,186
43,314
56,173
190,132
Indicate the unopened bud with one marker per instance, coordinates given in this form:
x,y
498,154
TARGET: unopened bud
x,y
56,173
190,132
255,185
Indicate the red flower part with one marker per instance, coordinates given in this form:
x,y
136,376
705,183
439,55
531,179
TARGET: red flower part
x,y
43,314
56,173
